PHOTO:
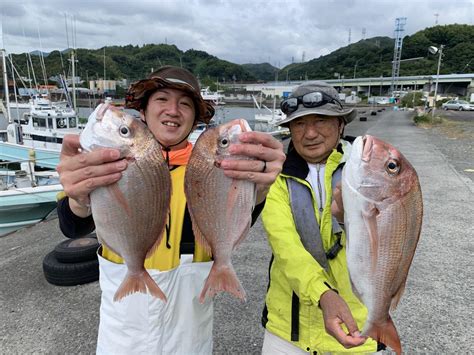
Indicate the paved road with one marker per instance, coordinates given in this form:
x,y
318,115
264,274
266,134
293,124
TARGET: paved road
x,y
434,316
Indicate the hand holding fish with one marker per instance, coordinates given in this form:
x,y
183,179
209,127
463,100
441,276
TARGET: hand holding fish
x,y
336,312
80,173
267,161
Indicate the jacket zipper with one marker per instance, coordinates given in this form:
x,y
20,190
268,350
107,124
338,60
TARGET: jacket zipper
x,y
320,189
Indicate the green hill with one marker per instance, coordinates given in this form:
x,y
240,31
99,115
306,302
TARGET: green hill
x,y
370,57
373,57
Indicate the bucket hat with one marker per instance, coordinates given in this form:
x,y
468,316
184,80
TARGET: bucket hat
x,y
329,104
169,77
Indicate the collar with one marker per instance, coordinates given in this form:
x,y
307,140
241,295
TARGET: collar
x,y
296,166
178,157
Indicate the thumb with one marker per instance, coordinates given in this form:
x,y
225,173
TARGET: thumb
x,y
351,324
70,145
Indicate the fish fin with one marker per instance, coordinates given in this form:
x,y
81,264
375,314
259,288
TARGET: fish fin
x,y
118,194
398,295
386,334
370,219
201,240
138,283
355,291
154,246
232,198
108,247
242,236
222,278
158,240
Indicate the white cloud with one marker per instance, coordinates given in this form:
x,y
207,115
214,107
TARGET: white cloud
x,y
241,31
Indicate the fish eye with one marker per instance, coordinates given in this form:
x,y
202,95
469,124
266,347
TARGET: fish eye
x,y
124,131
224,143
393,167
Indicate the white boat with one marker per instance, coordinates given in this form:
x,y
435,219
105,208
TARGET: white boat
x,y
271,116
213,97
20,105
39,132
26,197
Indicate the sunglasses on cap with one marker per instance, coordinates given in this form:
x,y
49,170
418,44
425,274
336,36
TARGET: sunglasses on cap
x,y
309,100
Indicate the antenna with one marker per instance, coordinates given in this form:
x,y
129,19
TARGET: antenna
x,y
349,39
302,57
43,66
67,33
1,31
364,31
397,51
436,21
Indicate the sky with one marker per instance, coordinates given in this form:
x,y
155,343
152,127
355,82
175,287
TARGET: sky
x,y
241,31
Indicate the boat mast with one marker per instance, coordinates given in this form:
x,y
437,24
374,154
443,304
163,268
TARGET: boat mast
x,y
73,61
5,81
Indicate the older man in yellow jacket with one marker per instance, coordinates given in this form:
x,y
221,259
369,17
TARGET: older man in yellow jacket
x,y
309,305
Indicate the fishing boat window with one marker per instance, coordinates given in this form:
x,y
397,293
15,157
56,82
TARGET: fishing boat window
x,y
72,122
50,122
60,122
39,122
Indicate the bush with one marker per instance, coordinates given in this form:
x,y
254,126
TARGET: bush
x,y
427,119
412,97
422,119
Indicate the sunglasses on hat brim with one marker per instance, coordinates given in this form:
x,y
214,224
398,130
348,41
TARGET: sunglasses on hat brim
x,y
309,100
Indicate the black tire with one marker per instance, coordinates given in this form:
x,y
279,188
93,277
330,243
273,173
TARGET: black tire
x,y
67,274
76,250
460,108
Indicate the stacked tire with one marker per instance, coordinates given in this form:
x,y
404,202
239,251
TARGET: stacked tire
x,y
72,262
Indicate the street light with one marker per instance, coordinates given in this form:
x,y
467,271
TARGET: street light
x,y
435,50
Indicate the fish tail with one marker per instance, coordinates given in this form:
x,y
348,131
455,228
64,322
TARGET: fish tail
x,y
138,283
385,333
222,278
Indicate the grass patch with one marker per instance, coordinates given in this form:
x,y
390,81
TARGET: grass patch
x,y
427,120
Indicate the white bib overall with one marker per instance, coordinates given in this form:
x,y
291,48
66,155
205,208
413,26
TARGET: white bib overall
x,y
143,324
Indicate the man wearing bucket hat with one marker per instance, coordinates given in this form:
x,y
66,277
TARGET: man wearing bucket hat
x,y
170,103
309,306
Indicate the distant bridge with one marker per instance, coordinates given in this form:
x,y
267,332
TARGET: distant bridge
x,y
452,84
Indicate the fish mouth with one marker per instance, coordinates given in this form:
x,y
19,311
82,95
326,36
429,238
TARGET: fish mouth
x,y
244,126
367,145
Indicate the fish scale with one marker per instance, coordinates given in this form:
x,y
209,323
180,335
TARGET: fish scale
x,y
220,207
383,211
130,215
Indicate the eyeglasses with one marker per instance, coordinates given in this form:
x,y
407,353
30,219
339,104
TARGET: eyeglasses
x,y
309,100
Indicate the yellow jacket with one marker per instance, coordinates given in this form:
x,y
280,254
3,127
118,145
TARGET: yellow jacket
x,y
293,269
